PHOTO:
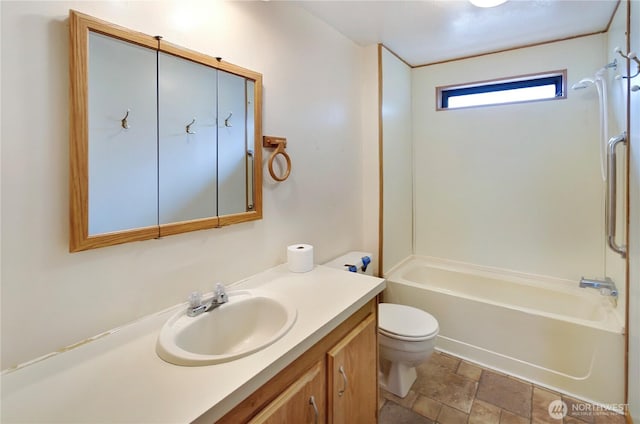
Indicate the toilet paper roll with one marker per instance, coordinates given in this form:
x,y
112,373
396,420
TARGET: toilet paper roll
x,y
300,257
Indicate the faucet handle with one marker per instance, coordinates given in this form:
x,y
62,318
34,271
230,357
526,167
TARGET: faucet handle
x,y
195,299
220,294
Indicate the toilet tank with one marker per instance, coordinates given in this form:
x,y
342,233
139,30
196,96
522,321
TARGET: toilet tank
x,y
360,262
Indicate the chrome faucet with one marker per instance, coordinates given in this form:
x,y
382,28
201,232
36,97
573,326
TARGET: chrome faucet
x,y
196,307
606,287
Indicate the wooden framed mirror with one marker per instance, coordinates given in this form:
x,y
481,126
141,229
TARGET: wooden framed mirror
x,y
163,140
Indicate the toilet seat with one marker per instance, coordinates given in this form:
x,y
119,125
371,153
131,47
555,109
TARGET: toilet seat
x,y
406,323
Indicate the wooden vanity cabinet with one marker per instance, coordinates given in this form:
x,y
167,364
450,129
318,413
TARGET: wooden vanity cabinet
x,y
340,372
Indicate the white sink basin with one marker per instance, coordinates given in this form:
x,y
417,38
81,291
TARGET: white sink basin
x,y
250,321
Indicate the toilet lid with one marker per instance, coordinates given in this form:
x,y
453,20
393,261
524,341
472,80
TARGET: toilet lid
x,y
406,321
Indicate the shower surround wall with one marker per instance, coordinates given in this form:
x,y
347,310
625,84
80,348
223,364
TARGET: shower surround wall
x,y
397,151
512,186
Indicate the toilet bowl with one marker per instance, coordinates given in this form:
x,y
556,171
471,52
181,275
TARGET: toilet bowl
x,y
406,337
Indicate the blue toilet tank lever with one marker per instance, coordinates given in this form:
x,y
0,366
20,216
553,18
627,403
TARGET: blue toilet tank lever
x,y
365,263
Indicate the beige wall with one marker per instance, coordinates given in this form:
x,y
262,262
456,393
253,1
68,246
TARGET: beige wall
x,y
312,96
512,186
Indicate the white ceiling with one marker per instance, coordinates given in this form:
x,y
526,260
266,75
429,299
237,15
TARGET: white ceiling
x,y
428,31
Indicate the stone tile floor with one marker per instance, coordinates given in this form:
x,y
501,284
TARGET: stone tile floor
x,y
452,391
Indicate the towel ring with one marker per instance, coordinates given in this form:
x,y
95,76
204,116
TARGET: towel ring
x,y
279,143
280,151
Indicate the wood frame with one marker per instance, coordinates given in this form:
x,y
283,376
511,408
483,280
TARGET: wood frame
x,y
79,239
627,200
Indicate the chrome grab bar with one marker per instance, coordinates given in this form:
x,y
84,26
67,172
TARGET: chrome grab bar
x,y
612,195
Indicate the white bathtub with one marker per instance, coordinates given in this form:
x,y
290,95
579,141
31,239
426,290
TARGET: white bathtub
x,y
544,330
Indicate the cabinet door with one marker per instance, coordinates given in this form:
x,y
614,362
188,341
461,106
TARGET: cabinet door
x,y
122,145
232,143
353,389
304,402
187,111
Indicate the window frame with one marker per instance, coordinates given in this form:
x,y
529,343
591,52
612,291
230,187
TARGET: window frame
x,y
558,77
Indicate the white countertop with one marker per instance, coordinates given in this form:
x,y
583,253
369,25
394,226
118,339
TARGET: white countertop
x,y
119,377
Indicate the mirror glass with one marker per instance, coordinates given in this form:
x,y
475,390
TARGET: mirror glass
x,y
232,143
122,161
187,112
163,139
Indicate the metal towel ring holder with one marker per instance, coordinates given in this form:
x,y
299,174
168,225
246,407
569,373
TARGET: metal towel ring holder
x,y
280,144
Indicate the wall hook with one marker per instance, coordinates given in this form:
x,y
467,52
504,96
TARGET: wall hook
x,y
226,121
188,127
124,122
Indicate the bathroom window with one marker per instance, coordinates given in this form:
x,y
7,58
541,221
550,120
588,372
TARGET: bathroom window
x,y
527,88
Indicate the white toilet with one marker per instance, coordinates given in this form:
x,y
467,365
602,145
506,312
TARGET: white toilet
x,y
407,336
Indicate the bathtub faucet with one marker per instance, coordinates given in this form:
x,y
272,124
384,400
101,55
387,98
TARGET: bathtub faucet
x,y
606,287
